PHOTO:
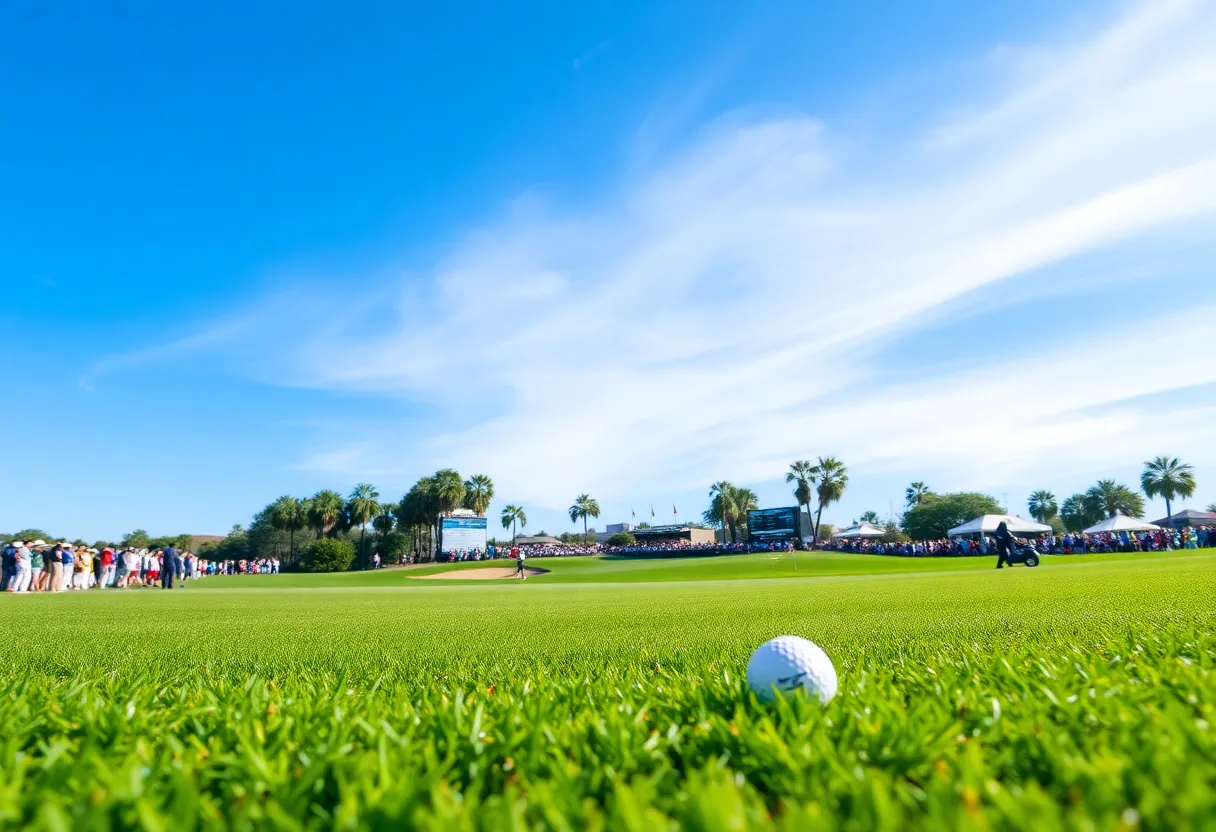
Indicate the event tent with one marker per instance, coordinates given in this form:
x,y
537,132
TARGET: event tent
x,y
987,524
859,530
1122,523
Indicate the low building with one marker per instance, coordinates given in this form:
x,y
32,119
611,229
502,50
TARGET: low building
x,y
674,533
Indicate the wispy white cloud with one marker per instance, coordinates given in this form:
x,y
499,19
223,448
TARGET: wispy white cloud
x,y
720,313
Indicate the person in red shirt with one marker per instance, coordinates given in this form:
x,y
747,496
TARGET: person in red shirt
x,y
107,567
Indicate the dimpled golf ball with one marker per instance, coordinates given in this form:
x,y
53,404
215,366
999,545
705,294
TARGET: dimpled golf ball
x,y
787,663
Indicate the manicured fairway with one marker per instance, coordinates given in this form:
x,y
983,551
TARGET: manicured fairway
x,y
1076,695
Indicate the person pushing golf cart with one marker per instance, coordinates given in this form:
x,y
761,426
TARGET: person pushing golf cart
x,y
1009,552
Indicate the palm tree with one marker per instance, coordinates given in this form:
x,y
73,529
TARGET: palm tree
x,y
916,493
386,519
1042,505
287,515
722,508
447,493
512,516
478,492
743,500
1108,498
324,511
802,474
1169,479
871,517
362,505
584,506
831,479
1212,508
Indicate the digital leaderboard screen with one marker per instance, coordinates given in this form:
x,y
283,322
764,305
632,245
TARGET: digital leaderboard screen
x,y
464,534
773,523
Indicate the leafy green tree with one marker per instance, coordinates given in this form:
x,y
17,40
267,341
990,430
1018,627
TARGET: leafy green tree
x,y
329,554
363,505
1108,498
138,538
620,539
892,533
324,511
1042,505
28,535
831,479
1168,479
585,506
478,492
870,517
916,492
392,546
937,514
418,511
802,475
514,517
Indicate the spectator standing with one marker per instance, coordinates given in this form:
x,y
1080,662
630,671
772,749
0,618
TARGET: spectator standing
x,y
67,558
170,566
108,569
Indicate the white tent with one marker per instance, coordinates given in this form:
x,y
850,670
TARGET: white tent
x,y
987,524
859,530
1122,523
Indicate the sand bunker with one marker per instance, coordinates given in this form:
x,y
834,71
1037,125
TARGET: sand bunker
x,y
489,573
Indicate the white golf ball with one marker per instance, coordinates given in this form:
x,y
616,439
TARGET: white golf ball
x,y
787,663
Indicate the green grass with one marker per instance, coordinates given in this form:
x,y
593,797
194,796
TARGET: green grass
x,y
1076,695
645,569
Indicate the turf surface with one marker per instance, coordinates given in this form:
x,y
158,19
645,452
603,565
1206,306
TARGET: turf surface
x,y
1076,695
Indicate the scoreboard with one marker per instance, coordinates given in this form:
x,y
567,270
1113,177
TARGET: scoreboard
x,y
768,524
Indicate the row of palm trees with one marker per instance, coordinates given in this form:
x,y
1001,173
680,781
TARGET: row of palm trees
x,y
420,511
822,482
1163,476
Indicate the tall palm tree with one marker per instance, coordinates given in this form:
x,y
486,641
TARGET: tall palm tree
x,y
871,517
916,493
1169,479
324,511
362,505
447,494
386,519
831,479
584,506
1212,508
478,492
513,516
802,474
1042,505
287,515
722,508
743,501
1108,498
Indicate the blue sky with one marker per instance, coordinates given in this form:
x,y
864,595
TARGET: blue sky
x,y
623,248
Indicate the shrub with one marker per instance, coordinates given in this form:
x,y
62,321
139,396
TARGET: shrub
x,y
328,555
620,539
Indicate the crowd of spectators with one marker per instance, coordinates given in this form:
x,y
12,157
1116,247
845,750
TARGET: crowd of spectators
x,y
38,566
1066,544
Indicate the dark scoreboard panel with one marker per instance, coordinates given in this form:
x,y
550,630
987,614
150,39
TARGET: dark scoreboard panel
x,y
776,524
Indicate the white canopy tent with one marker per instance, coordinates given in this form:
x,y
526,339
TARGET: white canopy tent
x,y
1122,523
987,523
859,530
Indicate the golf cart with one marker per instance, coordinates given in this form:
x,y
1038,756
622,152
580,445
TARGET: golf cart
x,y
1024,554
